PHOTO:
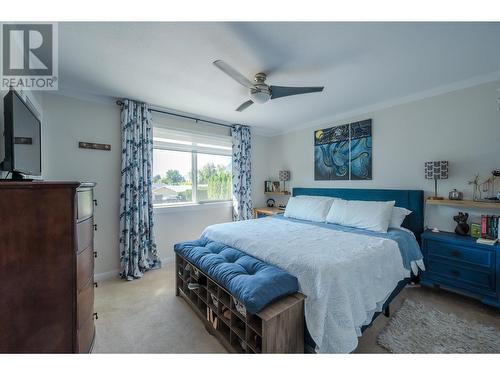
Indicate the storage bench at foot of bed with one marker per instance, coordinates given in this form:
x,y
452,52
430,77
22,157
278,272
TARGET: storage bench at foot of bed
x,y
278,328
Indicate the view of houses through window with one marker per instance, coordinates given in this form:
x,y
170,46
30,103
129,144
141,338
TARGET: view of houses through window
x,y
190,176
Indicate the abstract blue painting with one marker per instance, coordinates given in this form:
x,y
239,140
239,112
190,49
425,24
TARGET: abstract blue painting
x,y
344,152
331,153
361,150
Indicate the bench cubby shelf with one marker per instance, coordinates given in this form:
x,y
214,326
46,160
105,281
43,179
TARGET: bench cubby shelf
x,y
278,328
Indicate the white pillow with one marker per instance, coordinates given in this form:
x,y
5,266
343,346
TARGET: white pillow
x,y
398,216
370,215
308,208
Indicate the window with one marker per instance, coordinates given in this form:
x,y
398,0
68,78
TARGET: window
x,y
190,167
172,172
214,177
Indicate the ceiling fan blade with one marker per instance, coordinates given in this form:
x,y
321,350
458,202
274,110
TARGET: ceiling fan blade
x,y
281,91
233,73
244,106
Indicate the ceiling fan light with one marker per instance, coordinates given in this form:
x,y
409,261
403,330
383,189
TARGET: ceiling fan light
x,y
259,96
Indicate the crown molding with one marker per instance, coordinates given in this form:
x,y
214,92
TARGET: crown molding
x,y
104,99
436,91
81,95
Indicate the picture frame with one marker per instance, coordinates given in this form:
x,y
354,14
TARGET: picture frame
x,y
268,186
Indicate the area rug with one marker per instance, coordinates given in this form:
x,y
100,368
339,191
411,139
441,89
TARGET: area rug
x,y
416,328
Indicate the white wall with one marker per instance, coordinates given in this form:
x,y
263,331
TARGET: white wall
x,y
462,127
69,120
66,122
173,225
262,153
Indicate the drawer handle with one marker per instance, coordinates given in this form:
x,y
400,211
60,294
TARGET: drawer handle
x,y
95,226
95,202
455,253
95,254
95,316
455,273
95,284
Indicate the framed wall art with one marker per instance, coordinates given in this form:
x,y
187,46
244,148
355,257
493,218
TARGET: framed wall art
x,y
344,152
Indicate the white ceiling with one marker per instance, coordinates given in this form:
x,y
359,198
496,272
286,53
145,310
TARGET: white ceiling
x,y
360,64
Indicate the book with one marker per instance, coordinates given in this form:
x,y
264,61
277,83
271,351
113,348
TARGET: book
x,y
484,225
475,230
490,227
494,221
487,241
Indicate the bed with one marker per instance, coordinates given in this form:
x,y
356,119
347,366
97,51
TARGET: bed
x,y
348,275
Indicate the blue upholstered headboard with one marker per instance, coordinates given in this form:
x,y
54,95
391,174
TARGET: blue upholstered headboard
x,y
410,199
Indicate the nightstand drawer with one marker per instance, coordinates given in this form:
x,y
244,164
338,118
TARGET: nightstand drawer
x,y
458,274
455,253
459,264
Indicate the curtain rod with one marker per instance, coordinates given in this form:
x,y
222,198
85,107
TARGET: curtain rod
x,y
120,103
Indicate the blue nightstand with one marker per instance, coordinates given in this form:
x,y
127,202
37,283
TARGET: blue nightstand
x,y
459,264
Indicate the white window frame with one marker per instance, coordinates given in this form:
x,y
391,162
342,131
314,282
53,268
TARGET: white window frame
x,y
198,145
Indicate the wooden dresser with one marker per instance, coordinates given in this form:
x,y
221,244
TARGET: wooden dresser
x,y
46,267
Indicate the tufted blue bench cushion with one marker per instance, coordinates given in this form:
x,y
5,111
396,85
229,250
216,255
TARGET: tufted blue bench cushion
x,y
253,282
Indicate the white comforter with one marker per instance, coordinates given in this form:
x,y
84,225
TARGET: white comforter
x,y
345,276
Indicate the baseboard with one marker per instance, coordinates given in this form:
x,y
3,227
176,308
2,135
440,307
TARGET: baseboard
x,y
116,273
107,275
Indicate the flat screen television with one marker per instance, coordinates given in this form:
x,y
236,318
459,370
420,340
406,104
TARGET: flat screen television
x,y
22,135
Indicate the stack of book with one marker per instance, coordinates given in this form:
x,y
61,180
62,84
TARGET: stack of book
x,y
489,229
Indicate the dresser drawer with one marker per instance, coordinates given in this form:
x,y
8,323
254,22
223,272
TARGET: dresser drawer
x,y
456,253
458,274
85,234
85,203
85,336
85,303
84,267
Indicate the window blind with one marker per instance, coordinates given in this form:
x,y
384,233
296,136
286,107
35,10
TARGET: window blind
x,y
170,139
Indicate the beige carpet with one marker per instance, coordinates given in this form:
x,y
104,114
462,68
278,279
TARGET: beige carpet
x,y
145,316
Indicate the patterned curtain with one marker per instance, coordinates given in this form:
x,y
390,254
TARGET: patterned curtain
x,y
242,173
137,245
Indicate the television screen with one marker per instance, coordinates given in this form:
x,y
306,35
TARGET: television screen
x,y
22,137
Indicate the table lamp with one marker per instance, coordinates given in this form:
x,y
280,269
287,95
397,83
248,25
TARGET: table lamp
x,y
284,176
436,170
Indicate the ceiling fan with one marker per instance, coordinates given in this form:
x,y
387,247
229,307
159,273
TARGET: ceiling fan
x,y
259,91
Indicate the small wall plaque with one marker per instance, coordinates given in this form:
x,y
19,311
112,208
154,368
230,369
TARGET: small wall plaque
x,y
94,146
23,141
